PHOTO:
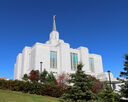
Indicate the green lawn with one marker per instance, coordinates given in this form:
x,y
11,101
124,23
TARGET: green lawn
x,y
9,96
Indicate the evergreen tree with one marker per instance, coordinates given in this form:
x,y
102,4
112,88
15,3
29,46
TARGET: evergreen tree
x,y
51,78
25,77
80,87
107,95
124,86
43,76
125,72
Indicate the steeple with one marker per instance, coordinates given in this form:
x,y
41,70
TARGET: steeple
x,y
54,24
54,35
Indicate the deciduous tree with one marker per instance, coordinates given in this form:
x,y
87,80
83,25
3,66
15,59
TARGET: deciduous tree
x,y
62,79
34,76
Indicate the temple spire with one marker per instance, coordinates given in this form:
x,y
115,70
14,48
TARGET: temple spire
x,y
54,24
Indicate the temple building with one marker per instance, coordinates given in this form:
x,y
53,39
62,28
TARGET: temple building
x,y
56,56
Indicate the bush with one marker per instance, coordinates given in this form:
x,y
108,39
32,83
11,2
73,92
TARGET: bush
x,y
26,86
53,90
16,85
3,84
33,87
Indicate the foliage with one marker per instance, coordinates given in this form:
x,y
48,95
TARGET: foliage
x,y
62,79
53,90
107,95
97,86
33,87
25,77
16,85
34,76
81,88
124,86
124,89
125,72
3,84
51,78
43,76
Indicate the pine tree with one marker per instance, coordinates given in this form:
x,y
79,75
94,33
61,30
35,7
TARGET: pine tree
x,y
124,86
125,72
25,77
43,76
51,78
80,89
107,95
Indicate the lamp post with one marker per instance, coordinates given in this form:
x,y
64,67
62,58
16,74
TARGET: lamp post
x,y
41,67
109,78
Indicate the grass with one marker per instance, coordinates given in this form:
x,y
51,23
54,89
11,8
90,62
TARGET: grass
x,y
10,96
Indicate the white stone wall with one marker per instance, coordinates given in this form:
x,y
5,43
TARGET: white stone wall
x,y
25,61
84,58
98,67
32,56
18,67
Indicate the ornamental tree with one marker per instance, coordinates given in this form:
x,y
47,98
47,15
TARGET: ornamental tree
x,y
97,86
62,79
34,76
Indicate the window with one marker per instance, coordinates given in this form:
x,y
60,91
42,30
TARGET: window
x,y
74,61
53,59
91,60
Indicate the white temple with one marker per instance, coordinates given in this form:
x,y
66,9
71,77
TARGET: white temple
x,y
56,56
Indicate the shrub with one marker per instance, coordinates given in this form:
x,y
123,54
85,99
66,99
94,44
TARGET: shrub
x,y
16,85
3,84
35,88
53,90
62,79
49,89
34,76
97,86
26,87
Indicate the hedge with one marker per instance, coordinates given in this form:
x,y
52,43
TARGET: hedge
x,y
33,87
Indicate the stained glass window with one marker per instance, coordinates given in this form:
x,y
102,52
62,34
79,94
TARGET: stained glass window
x,y
53,59
74,61
91,64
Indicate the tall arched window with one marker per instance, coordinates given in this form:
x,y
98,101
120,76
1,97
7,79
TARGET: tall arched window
x,y
91,61
74,61
53,59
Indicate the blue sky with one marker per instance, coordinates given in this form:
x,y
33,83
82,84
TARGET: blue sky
x,y
100,25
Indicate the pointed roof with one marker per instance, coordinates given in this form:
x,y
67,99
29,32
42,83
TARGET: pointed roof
x,y
54,24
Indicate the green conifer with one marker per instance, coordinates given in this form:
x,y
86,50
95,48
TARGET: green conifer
x,y
80,89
